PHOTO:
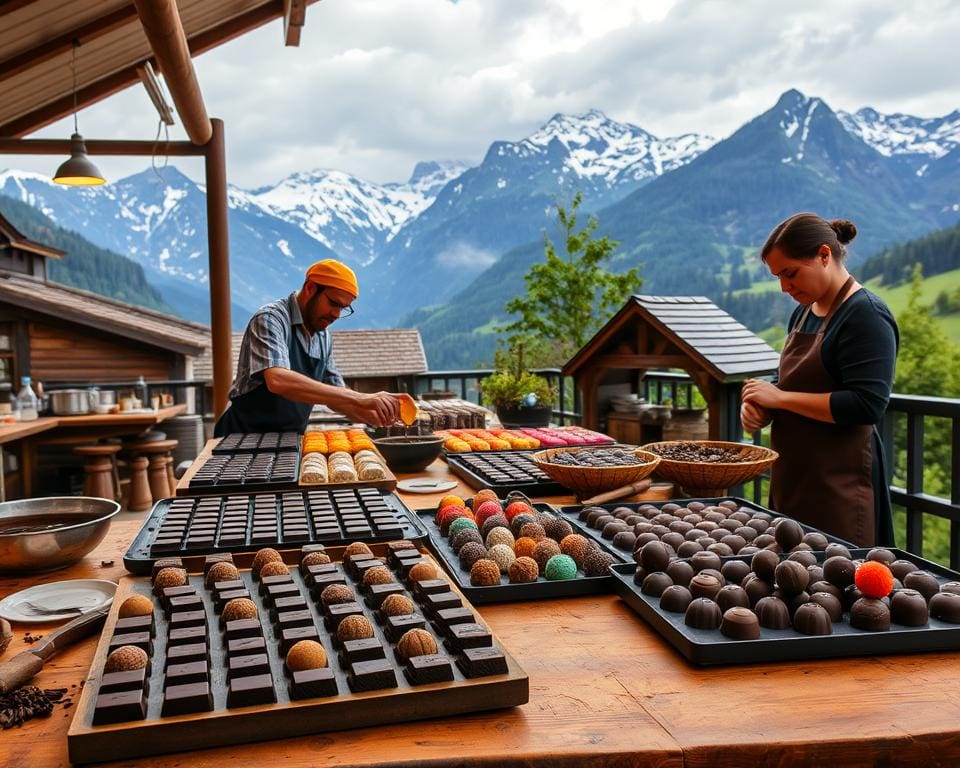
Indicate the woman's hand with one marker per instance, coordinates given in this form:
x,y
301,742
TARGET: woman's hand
x,y
761,393
753,417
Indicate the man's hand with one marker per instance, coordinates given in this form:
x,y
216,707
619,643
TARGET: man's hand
x,y
380,409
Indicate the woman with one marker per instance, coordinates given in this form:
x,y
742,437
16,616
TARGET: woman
x,y
832,387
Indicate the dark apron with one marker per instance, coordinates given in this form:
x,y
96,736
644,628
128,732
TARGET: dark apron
x,y
823,475
259,410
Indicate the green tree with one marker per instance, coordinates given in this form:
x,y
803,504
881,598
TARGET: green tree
x,y
570,295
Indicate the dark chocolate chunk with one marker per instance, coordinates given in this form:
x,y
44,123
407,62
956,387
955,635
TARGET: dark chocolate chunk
x,y
292,603
462,636
188,619
397,625
437,601
377,593
288,619
293,635
189,672
243,645
429,587
460,615
336,612
482,662
243,628
182,654
187,636
132,680
371,675
120,707
185,603
432,668
140,639
276,591
246,691
186,699
313,683
227,595
361,650
134,624
250,664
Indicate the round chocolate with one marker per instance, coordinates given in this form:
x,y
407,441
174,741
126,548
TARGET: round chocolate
x,y
734,571
689,549
816,573
870,614
625,540
732,596
672,539
851,593
946,607
812,619
881,555
465,537
831,604
735,542
951,586
655,556
705,585
900,568
804,557
747,533
839,571
643,538
470,553
654,583
681,572
833,549
923,581
764,564
788,533
739,623
675,599
719,548
815,540
825,586
757,589
772,613
791,577
702,613
908,607
765,540
702,560
611,529
587,511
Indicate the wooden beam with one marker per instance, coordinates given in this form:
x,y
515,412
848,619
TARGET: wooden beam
x,y
641,361
161,23
63,43
294,14
99,147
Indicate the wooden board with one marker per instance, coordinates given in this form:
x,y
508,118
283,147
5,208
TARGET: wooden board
x,y
286,717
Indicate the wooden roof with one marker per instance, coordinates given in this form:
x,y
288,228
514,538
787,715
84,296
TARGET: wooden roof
x,y
359,354
11,237
673,332
37,40
72,305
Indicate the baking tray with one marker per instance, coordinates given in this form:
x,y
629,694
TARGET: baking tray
x,y
211,476
505,591
287,717
536,483
710,647
245,442
571,513
329,517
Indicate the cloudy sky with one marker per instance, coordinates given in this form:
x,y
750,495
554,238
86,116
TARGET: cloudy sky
x,y
377,85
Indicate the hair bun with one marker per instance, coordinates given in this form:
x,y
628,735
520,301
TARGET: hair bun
x,y
846,230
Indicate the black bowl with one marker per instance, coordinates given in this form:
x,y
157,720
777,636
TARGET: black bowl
x,y
411,453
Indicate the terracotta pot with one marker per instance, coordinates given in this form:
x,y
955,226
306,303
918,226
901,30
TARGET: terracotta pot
x,y
525,416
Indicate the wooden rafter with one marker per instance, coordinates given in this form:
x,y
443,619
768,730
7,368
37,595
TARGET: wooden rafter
x,y
294,15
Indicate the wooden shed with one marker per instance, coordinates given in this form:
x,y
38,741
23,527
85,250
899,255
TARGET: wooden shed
x,y
689,333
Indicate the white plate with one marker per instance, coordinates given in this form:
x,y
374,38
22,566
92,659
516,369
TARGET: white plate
x,y
425,485
89,594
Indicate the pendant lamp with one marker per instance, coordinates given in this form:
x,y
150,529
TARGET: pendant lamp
x,y
79,170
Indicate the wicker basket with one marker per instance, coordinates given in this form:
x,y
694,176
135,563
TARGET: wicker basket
x,y
708,479
589,481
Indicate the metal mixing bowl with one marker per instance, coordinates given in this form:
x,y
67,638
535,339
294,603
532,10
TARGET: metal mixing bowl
x,y
76,525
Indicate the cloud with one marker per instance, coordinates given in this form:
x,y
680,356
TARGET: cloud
x,y
462,254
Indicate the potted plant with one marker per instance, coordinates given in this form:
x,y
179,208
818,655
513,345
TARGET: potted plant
x,y
521,398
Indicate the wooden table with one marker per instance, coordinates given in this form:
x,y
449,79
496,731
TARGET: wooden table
x,y
605,690
73,430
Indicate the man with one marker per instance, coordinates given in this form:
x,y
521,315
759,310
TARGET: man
x,y
286,361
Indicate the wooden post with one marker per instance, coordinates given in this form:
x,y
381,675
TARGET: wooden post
x,y
215,166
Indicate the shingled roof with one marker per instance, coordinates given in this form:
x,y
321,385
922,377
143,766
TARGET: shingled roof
x,y
95,311
359,354
684,326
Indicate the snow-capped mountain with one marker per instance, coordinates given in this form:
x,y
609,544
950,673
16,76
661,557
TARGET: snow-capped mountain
x,y
917,140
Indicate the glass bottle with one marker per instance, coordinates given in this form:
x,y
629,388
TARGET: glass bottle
x,y
27,400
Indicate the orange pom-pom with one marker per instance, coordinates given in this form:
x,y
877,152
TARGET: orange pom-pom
x,y
874,579
524,546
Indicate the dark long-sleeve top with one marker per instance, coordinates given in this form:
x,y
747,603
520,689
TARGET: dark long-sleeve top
x,y
859,351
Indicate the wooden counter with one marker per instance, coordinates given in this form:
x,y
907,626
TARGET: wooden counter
x,y
605,690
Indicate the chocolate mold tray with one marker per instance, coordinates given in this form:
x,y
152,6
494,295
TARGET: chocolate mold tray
x,y
239,523
211,683
710,647
505,591
624,551
243,442
503,471
257,470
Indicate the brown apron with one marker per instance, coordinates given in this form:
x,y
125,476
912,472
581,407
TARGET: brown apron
x,y
823,475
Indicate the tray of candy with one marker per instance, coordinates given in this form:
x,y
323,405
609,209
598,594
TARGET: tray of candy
x,y
622,525
212,655
244,472
926,617
240,523
503,471
246,442
459,441
581,566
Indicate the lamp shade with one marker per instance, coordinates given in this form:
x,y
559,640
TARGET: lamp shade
x,y
79,170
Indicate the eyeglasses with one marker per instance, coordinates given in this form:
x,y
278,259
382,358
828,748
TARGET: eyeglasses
x,y
345,310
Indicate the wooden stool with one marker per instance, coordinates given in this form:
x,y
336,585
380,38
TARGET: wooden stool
x,y
100,478
139,498
158,452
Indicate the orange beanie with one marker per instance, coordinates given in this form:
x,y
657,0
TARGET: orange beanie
x,y
335,274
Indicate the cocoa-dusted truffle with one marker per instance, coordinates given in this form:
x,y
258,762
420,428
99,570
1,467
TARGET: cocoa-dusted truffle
x,y
675,599
772,613
870,614
812,619
422,572
396,605
739,623
576,546
484,573
306,654
523,570
597,563
545,549
135,605
470,553
239,608
169,577
356,626
503,556
264,556
464,537
415,642
334,594
519,521
273,568
222,571
125,659
314,558
702,613
356,548
379,574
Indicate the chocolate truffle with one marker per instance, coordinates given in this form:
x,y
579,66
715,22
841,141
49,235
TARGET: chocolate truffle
x,y
734,571
264,556
169,577
756,588
946,607
421,572
689,549
702,560
135,605
732,596
900,568
503,556
831,604
788,533
833,549
804,557
334,594
222,571
354,548
909,608
597,563
576,546
379,574
655,583
524,547
870,614
415,642
655,556
519,521
705,585
239,608
560,568
772,613
851,593
465,537
923,581
739,623
675,599
545,549
273,568
354,627
556,528
791,577
125,659
461,524
815,540
532,531
494,521
499,535
702,613
625,540
764,563
825,586
484,573
523,570
839,571
306,654
314,558
951,586
881,555
812,619
470,553
396,605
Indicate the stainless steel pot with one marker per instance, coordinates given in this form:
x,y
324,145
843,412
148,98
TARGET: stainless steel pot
x,y
107,396
73,402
